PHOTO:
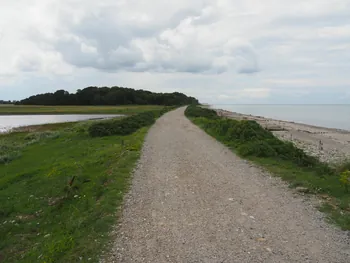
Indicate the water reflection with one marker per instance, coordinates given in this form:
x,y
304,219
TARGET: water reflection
x,y
9,122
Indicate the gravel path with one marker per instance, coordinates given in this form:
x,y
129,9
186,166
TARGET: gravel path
x,y
193,200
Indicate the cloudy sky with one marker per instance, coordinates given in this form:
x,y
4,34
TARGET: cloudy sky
x,y
223,51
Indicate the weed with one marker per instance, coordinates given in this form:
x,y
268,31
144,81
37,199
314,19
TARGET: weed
x,y
8,152
11,150
336,215
35,137
8,157
345,180
343,167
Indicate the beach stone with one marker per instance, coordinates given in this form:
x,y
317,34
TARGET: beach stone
x,y
301,189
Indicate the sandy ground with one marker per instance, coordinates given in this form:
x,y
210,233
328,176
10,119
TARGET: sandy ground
x,y
329,145
193,200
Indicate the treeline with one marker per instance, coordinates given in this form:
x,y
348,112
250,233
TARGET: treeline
x,y
108,96
7,102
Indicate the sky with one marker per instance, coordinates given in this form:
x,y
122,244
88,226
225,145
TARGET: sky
x,y
223,51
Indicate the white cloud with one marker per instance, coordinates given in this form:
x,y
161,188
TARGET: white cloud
x,y
246,93
202,47
335,31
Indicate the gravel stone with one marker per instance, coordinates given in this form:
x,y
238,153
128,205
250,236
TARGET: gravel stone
x,y
192,200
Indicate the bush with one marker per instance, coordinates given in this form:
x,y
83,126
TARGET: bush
x,y
100,129
195,111
247,131
257,148
126,125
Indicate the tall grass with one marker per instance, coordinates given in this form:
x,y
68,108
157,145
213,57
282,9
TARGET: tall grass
x,y
12,149
35,137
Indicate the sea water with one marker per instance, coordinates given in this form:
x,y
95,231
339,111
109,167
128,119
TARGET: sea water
x,y
8,122
330,116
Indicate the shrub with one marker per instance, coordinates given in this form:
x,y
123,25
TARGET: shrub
x,y
257,148
251,139
126,125
100,129
247,131
195,111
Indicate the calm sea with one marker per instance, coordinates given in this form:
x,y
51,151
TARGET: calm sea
x,y
8,122
331,116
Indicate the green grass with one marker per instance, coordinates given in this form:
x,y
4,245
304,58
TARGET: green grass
x,y
125,109
249,140
59,195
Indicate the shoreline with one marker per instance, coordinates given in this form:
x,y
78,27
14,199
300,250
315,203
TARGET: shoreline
x,y
331,145
33,127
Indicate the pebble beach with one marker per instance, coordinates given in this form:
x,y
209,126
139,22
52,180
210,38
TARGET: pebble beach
x,y
328,144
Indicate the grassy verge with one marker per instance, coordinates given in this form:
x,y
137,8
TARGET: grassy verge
x,y
249,140
60,189
126,109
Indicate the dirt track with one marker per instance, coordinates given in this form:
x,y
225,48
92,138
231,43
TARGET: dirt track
x,y
193,200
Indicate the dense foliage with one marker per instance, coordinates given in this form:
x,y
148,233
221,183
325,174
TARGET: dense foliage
x,y
7,102
125,126
109,96
194,111
250,139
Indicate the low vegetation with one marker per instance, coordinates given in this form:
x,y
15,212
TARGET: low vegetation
x,y
251,141
125,110
194,111
59,188
125,126
11,150
345,180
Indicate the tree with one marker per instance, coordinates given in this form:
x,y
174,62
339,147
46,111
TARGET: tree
x,y
108,96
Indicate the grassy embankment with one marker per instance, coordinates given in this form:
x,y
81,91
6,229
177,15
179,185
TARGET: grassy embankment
x,y
24,109
60,187
283,159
